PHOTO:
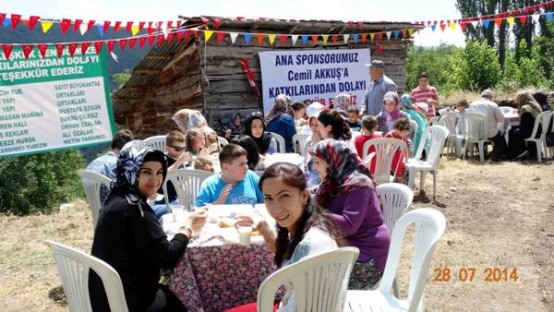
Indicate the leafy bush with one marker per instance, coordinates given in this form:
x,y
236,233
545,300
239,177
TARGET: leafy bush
x,y
479,68
39,183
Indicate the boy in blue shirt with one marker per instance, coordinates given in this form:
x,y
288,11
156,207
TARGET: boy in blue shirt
x,y
234,185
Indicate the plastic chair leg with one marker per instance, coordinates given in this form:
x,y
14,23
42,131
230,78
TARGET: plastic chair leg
x,y
434,173
411,177
422,181
539,152
481,151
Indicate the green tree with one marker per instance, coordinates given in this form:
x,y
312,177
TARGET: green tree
x,y
39,183
478,67
121,78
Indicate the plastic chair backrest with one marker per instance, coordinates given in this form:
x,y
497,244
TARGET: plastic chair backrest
x,y
299,142
319,282
395,198
385,150
477,125
186,183
450,121
74,267
222,141
438,135
280,142
92,182
432,121
156,142
542,120
429,228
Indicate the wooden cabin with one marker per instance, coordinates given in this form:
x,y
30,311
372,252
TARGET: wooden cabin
x,y
189,72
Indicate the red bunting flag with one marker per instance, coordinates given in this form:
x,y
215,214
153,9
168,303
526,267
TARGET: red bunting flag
x,y
350,24
129,26
204,20
42,49
150,30
111,44
220,36
90,24
132,43
463,25
170,37
179,36
379,37
335,38
117,26
141,25
240,18
315,38
498,21
159,25
161,40
59,49
523,19
77,24
122,43
361,25
169,24
84,47
283,38
195,33
15,20
2,18
178,24
442,26
364,37
217,23
65,24
151,40
142,40
72,47
33,21
260,38
7,49
106,26
98,46
187,34
27,49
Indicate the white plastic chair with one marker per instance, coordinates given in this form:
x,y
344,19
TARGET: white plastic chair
x,y
543,119
385,150
186,183
299,142
457,133
222,141
395,199
92,182
318,283
477,133
429,228
438,136
157,142
74,267
280,142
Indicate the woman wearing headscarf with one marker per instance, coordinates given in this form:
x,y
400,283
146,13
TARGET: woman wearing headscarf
x,y
342,102
528,110
279,120
390,113
129,238
233,127
411,110
254,127
346,192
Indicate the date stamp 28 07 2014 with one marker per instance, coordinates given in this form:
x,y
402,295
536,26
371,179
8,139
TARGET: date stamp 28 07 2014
x,y
471,274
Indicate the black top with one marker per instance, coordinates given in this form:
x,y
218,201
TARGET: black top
x,y
130,239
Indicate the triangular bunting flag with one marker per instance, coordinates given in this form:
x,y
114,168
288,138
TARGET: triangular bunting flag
x,y
15,20
271,38
511,20
283,38
170,37
169,24
84,47
111,44
105,27
46,25
304,39
217,23
141,26
2,18
345,37
27,49
150,29
260,38
59,49
64,25
98,46
33,21
90,24
548,16
194,33
117,26
100,29
187,34
294,38
335,38
372,36
204,20
220,36
71,48
77,24
233,36
135,30
7,49
411,31
361,25
178,24
315,38
463,26
395,34
452,25
7,22
535,18
364,37
159,25
523,19
486,23
132,42
356,37
83,29
179,36
128,26
379,36
350,24
208,34
474,23
122,43
442,26
151,40
433,27
42,49
325,38
388,33
247,37
403,32
498,22
160,40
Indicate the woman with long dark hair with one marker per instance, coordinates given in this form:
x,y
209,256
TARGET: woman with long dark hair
x,y
332,125
254,159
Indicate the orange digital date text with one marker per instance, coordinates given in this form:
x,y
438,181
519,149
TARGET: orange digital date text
x,y
470,274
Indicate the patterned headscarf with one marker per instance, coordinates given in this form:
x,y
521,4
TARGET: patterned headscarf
x,y
346,171
187,119
282,106
342,101
386,119
129,162
407,103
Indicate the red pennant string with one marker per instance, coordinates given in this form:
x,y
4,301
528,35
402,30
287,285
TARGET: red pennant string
x,y
220,36
33,21
117,26
169,24
364,37
77,24
361,25
2,18
195,33
159,25
150,30
315,38
217,23
379,37
132,42
498,21
141,25
7,49
142,40
239,18
59,49
90,24
161,40
170,37
27,49
463,25
187,34
129,26
523,19
283,38
179,36
178,24
204,20
42,49
106,26
64,25
111,44
350,24
260,38
122,43
335,38
151,40
15,20
72,47
98,46
84,47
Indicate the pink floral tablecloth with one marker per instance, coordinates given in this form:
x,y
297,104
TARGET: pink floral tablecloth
x,y
215,278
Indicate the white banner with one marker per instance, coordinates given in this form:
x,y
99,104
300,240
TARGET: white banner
x,y
318,75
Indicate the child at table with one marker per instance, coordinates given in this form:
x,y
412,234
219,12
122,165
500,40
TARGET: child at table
x,y
235,184
302,230
400,132
369,132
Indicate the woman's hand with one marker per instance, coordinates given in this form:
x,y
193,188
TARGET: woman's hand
x,y
268,234
197,219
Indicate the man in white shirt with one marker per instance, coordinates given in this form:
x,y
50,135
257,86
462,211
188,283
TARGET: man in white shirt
x,y
487,107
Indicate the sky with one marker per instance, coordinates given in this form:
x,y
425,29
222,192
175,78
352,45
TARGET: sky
x,y
164,10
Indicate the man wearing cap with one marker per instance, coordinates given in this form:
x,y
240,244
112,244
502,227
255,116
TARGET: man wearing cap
x,y
379,85
426,94
485,106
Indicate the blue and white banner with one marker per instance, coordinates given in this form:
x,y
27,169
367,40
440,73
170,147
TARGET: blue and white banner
x,y
318,75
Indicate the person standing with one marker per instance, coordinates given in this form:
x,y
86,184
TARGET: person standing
x,y
426,94
379,85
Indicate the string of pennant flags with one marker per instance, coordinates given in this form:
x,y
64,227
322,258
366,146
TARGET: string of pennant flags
x,y
162,31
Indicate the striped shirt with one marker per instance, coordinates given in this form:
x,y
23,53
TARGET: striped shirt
x,y
492,113
421,96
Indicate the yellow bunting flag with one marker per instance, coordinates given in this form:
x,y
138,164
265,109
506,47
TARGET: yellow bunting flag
x,y
46,26
372,36
325,38
411,31
135,30
510,20
452,25
271,38
208,34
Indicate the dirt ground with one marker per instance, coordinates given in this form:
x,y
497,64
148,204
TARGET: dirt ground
x,y
500,216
